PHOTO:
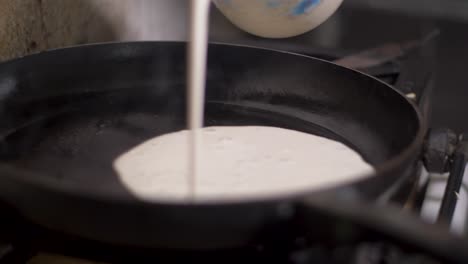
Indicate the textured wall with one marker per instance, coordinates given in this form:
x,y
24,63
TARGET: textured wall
x,y
20,28
28,26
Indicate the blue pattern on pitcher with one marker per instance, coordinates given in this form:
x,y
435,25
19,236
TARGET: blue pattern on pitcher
x,y
304,6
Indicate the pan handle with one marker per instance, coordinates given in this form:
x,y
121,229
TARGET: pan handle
x,y
409,65
348,222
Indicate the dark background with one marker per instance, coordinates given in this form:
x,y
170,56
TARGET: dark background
x,y
362,24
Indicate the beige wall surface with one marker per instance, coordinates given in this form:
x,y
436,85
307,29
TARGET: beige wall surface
x,y
28,26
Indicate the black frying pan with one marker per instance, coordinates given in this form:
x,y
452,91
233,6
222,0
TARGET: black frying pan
x,y
66,114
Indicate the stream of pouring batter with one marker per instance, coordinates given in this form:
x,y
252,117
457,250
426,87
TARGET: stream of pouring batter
x,y
197,52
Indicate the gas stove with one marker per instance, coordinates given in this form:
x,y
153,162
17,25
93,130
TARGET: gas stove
x,y
395,63
400,46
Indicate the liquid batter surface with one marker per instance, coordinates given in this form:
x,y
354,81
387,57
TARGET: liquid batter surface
x,y
238,163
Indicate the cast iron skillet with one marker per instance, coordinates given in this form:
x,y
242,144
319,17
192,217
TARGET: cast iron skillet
x,y
66,114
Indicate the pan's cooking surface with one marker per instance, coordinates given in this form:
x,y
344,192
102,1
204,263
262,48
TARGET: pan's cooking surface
x,y
76,145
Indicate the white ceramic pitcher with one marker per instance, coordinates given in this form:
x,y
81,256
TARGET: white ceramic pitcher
x,y
277,18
